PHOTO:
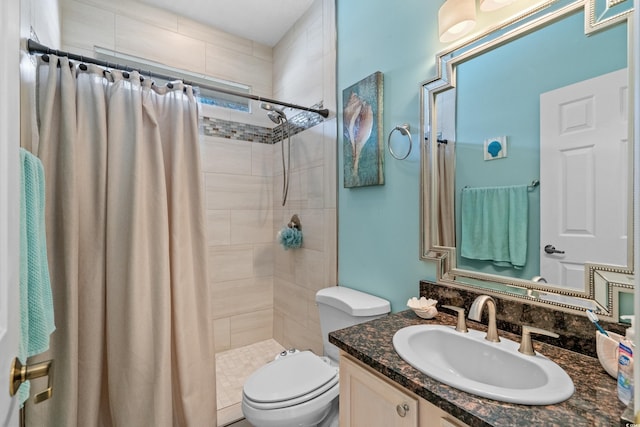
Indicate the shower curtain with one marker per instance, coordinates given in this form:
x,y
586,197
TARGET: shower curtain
x,y
127,251
446,194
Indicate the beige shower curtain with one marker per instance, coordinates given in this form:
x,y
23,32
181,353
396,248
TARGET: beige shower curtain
x,y
127,252
446,194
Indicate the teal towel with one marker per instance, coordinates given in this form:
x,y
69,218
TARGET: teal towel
x,y
36,301
494,224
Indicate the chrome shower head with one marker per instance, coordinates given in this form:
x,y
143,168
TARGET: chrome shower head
x,y
276,115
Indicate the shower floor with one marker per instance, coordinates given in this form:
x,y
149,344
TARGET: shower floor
x,y
232,369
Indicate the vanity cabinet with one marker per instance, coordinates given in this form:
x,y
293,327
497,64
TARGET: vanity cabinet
x,y
369,399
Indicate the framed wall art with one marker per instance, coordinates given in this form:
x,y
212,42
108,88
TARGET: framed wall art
x,y
363,142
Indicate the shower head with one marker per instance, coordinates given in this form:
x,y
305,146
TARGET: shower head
x,y
276,115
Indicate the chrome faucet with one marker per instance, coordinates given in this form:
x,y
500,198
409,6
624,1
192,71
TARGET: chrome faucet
x,y
475,313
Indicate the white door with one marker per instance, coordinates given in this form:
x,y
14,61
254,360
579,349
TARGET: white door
x,y
584,164
9,202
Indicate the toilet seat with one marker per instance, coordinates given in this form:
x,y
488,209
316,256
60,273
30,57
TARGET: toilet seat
x,y
290,381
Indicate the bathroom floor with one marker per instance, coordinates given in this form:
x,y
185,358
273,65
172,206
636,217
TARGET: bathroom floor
x,y
232,369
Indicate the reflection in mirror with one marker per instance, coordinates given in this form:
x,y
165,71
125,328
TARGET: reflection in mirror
x,y
528,176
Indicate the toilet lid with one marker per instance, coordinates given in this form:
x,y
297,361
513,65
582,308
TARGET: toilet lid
x,y
289,377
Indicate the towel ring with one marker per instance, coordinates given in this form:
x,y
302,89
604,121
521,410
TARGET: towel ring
x,y
403,129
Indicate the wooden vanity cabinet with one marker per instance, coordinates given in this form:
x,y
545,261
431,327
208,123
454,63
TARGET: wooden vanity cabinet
x,y
369,399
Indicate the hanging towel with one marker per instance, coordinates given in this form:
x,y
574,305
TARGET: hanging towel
x,y
36,302
494,224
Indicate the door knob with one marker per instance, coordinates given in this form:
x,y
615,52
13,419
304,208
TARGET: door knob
x,y
21,373
550,249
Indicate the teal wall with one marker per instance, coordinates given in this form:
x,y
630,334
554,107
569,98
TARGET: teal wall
x,y
378,226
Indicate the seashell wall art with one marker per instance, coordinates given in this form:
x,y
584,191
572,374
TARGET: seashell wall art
x,y
363,143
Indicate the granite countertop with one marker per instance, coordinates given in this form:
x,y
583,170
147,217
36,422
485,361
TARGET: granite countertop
x,y
594,403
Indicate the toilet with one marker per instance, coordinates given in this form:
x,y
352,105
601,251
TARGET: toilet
x,y
300,388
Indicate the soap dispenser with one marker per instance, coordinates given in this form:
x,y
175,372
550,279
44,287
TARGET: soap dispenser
x,y
625,363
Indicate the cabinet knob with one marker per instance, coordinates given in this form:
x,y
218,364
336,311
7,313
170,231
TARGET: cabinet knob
x,y
402,409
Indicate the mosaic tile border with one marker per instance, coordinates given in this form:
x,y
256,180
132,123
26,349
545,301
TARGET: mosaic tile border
x,y
228,129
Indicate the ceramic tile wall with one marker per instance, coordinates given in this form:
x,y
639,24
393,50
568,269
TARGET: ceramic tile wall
x,y
137,29
238,189
259,291
304,64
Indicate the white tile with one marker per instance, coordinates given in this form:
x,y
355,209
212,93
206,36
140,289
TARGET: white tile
x,y
301,336
329,92
85,26
230,263
330,252
214,112
233,367
251,226
329,164
251,327
222,334
313,230
284,264
224,191
262,51
290,299
215,36
329,23
110,5
222,155
237,67
157,44
262,159
137,11
313,183
310,269
263,259
148,14
218,228
307,148
236,297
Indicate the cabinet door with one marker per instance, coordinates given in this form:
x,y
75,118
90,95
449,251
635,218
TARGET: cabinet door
x,y
432,416
367,400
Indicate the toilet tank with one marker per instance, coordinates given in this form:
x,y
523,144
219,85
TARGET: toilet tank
x,y
340,307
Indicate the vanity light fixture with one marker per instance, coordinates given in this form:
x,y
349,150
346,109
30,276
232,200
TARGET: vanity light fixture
x,y
455,19
490,5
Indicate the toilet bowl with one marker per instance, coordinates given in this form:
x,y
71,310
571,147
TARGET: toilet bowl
x,y
301,389
296,390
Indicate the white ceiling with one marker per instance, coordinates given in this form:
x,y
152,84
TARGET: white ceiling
x,y
263,21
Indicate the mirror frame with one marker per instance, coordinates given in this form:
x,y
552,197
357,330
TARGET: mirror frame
x,y
603,299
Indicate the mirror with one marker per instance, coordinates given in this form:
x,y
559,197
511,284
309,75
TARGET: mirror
x,y
526,178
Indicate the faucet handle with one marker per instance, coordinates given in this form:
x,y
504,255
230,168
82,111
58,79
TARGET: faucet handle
x,y
462,324
526,346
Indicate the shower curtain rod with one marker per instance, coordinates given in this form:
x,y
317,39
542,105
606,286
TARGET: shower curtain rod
x,y
35,47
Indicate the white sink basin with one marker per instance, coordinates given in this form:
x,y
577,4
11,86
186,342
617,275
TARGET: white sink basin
x,y
470,363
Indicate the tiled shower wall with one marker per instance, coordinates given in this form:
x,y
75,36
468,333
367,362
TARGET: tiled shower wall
x,y
259,291
304,70
144,31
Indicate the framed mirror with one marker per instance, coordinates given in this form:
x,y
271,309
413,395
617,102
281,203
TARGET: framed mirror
x,y
526,162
